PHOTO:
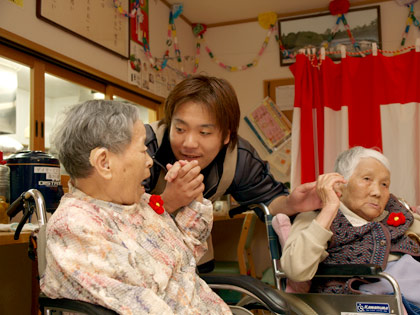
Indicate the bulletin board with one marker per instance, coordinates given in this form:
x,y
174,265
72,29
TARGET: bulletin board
x,y
95,20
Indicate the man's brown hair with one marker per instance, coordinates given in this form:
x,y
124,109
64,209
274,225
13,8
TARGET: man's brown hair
x,y
215,94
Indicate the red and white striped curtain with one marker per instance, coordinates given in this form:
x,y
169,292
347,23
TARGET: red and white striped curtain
x,y
371,101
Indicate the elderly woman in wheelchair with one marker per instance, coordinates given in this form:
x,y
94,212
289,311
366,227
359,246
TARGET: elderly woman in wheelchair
x,y
110,243
360,223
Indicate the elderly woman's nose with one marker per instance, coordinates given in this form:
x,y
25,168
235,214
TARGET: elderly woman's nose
x,y
375,189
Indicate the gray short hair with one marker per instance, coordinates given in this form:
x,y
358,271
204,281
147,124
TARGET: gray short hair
x,y
89,125
348,160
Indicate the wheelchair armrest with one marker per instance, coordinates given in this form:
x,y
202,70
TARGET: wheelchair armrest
x,y
260,210
267,294
73,306
237,210
345,270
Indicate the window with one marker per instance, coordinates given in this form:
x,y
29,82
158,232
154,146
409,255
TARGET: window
x,y
14,105
35,88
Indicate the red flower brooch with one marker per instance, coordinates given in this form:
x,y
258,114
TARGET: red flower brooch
x,y
156,203
396,219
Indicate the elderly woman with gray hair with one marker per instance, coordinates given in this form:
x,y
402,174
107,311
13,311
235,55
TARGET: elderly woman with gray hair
x,y
109,242
359,222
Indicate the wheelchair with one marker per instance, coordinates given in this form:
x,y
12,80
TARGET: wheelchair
x,y
329,303
256,294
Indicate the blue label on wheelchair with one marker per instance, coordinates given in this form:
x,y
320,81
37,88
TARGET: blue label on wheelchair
x,y
381,308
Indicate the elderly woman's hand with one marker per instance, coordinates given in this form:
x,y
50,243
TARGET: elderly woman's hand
x,y
327,187
184,184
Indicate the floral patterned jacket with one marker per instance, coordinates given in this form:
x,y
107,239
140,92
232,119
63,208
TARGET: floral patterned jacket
x,y
129,258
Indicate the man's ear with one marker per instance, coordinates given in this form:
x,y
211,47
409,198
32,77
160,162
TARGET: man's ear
x,y
227,139
99,159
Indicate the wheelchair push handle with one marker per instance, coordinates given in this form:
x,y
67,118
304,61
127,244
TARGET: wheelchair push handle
x,y
16,206
23,203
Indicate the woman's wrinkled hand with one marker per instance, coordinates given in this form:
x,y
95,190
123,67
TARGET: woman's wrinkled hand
x,y
329,191
327,187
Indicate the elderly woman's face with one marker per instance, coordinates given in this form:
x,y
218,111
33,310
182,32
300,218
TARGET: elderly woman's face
x,y
367,190
131,168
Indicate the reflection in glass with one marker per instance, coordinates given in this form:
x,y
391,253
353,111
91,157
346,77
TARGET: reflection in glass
x,y
59,95
14,106
146,115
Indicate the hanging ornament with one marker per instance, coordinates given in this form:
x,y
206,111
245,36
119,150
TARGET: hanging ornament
x,y
267,19
199,29
225,66
411,19
131,14
405,2
172,39
408,23
339,7
177,9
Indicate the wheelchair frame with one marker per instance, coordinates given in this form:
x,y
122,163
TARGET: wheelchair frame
x,y
328,303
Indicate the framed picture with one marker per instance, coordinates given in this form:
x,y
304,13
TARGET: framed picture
x,y
314,31
96,21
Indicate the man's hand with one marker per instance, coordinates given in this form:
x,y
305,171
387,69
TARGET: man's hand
x,y
309,196
315,195
184,184
304,198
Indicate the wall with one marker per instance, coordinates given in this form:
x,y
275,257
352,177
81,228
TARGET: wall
x,y
236,45
40,32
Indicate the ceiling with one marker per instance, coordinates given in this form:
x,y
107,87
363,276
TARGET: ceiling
x,y
213,12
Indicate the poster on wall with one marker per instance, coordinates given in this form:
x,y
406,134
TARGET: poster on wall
x,y
269,124
143,75
139,25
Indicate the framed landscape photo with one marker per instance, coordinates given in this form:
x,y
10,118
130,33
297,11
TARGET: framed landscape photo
x,y
314,31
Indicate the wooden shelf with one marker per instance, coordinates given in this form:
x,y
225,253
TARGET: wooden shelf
x,y
6,238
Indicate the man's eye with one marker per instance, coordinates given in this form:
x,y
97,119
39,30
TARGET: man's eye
x,y
205,133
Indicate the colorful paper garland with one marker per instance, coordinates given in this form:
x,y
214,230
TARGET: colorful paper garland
x,y
131,14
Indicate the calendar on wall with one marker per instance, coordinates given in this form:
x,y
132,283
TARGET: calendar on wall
x,y
95,20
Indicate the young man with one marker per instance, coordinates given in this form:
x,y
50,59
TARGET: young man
x,y
201,124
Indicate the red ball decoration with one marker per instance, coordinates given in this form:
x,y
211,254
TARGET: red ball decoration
x,y
339,7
